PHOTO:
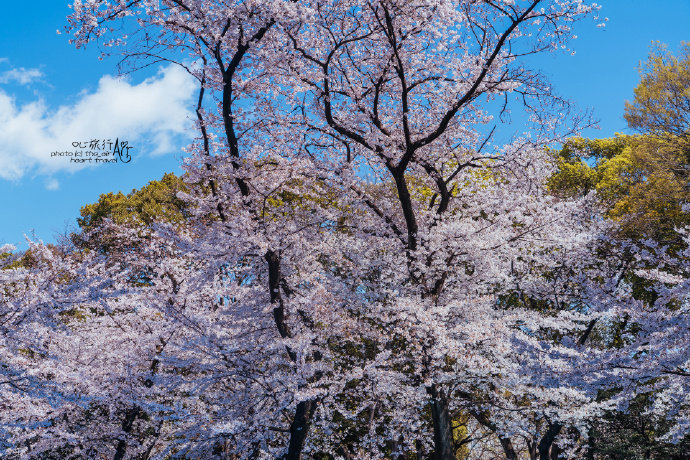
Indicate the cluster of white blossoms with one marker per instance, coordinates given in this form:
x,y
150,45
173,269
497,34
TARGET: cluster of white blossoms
x,y
362,269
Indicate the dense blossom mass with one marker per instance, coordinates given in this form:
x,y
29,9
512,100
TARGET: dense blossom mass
x,y
354,265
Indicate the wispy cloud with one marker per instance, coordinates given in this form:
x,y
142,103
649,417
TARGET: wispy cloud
x,y
153,116
52,184
20,75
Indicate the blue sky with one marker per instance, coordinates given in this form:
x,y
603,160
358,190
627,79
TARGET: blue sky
x,y
52,94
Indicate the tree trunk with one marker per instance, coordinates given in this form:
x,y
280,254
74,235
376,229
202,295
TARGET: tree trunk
x,y
420,450
299,428
555,452
508,448
304,412
547,441
443,430
532,448
127,424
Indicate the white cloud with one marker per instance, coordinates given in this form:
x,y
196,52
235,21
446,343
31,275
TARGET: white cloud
x,y
52,184
152,115
21,75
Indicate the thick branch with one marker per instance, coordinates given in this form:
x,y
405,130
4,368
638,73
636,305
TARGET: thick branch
x,y
472,92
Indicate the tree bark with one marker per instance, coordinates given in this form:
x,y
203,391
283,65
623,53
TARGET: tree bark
x,y
127,424
532,449
508,448
443,430
555,452
304,412
547,441
299,428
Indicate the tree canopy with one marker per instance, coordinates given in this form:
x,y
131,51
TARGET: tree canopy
x,y
661,107
351,265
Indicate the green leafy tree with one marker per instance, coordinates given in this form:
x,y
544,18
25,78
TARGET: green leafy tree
x,y
156,201
639,181
661,107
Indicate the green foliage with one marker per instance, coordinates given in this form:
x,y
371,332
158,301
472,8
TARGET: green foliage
x,y
157,201
26,260
643,180
461,435
661,107
638,179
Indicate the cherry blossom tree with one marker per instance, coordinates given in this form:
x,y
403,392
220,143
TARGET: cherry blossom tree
x,y
365,262
397,87
650,357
